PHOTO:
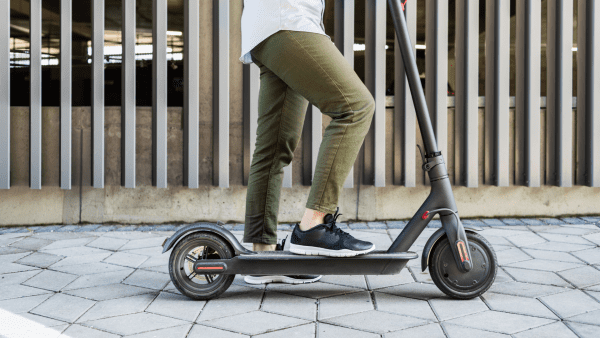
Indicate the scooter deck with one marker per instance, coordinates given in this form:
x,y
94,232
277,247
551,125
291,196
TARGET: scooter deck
x,y
288,263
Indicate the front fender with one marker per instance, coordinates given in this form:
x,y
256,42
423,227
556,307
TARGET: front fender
x,y
198,227
435,238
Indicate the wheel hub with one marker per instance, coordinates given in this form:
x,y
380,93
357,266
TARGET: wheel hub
x,y
464,280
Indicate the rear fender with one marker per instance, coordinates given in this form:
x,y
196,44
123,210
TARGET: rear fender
x,y
205,227
435,238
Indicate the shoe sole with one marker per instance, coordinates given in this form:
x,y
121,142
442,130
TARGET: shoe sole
x,y
278,279
316,251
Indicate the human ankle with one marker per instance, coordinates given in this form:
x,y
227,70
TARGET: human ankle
x,y
311,219
263,247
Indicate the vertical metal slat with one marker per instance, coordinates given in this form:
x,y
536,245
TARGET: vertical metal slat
x,y
344,40
528,133
588,94
128,105
35,99
191,80
65,93
436,69
560,74
221,93
497,53
375,55
159,93
467,87
98,93
405,118
5,95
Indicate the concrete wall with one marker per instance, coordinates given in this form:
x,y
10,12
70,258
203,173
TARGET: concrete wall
x,y
21,205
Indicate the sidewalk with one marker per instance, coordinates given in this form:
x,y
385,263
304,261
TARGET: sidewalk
x,y
112,281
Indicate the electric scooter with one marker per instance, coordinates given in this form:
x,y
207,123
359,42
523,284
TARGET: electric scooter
x,y
462,264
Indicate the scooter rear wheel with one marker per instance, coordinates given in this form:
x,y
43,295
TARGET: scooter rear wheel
x,y
456,284
199,246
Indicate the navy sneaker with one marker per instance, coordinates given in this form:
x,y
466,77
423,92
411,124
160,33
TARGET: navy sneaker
x,y
327,240
288,279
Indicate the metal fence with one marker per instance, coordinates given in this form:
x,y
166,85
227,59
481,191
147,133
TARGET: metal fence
x,y
561,149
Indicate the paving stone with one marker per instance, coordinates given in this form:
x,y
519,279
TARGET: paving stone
x,y
356,281
125,228
130,235
143,243
525,239
404,306
30,325
17,277
146,227
345,304
78,331
31,243
591,256
126,259
172,332
83,259
536,277
105,228
50,280
134,323
238,227
493,222
503,232
110,291
396,224
573,220
254,323
151,252
582,276
532,221
584,330
40,260
553,255
559,246
376,321
243,300
500,322
455,331
76,251
572,230
13,257
5,241
435,223
512,255
176,306
358,225
302,331
594,238
553,221
201,331
155,261
68,228
415,290
68,243
24,304
88,281
512,221
118,307
377,225
312,290
575,239
425,331
89,268
554,330
583,226
49,228
503,277
571,303
526,289
63,307
384,281
591,219
447,308
59,236
107,243
517,305
148,279
592,318
287,227
289,305
544,265
421,277
13,267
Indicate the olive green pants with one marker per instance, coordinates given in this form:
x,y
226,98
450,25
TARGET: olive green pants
x,y
297,68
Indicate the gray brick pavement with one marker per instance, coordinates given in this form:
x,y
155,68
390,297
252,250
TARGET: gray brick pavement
x,y
112,281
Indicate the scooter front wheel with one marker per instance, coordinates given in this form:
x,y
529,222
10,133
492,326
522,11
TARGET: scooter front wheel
x,y
463,285
199,246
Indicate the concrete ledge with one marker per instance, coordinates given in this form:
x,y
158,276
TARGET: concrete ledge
x,y
149,205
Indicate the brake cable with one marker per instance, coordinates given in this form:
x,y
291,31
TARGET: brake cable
x,y
404,4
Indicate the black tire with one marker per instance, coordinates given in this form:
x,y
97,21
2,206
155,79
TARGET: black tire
x,y
453,282
201,245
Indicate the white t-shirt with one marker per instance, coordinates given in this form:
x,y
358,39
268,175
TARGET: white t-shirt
x,y
262,18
